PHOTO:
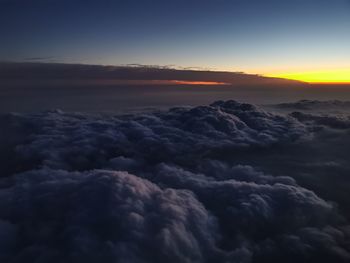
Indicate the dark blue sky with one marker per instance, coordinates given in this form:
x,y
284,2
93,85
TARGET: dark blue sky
x,y
244,35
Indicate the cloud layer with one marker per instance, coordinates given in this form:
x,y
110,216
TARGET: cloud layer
x,y
32,72
185,185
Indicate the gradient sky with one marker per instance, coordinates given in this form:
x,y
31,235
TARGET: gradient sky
x,y
270,37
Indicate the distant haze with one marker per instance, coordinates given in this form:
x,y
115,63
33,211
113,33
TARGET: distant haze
x,y
32,87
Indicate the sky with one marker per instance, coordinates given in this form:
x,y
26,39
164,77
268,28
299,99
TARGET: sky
x,y
301,39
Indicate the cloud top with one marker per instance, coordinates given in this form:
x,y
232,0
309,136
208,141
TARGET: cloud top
x,y
160,187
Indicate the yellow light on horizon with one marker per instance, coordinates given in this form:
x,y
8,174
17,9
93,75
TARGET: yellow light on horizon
x,y
329,76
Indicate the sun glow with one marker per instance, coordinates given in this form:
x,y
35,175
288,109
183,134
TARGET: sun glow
x,y
185,82
324,76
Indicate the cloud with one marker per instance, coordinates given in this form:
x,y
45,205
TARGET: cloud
x,y
257,211
203,184
335,122
78,142
39,58
315,105
102,215
32,72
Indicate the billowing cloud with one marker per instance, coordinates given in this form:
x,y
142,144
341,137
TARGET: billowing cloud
x,y
315,105
60,216
76,142
204,184
335,122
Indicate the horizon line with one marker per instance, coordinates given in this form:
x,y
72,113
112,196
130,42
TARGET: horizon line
x,y
300,77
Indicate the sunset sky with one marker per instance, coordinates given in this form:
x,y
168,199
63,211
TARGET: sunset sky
x,y
300,39
177,131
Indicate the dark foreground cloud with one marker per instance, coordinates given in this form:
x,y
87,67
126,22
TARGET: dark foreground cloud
x,y
185,185
102,216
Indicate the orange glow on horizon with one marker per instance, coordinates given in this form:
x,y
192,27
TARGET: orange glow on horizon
x,y
335,76
185,82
